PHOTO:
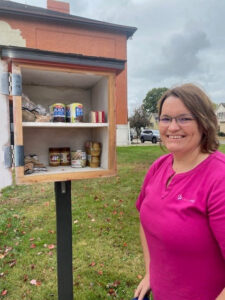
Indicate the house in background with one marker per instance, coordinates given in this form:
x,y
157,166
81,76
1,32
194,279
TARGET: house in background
x,y
154,120
54,29
220,113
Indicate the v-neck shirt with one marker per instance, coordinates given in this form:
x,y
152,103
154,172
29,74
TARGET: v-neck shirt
x,y
184,224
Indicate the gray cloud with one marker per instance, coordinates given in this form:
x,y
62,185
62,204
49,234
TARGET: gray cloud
x,y
177,41
181,55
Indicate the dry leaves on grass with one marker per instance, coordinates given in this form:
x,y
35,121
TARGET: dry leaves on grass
x,y
35,282
4,292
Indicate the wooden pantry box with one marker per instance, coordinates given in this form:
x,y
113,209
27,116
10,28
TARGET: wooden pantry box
x,y
47,78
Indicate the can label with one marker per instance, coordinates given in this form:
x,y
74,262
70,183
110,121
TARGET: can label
x,y
58,110
78,159
76,112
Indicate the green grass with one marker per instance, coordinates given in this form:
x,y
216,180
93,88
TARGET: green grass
x,y
107,255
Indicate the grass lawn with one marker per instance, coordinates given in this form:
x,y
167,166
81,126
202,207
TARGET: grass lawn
x,y
107,255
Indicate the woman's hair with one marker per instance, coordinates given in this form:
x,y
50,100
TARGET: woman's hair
x,y
201,107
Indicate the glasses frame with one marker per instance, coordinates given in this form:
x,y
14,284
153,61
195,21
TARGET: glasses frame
x,y
181,120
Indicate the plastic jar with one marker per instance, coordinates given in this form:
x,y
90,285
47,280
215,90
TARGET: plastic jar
x,y
65,156
54,157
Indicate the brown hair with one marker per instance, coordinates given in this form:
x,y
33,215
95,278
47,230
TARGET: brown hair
x,y
200,106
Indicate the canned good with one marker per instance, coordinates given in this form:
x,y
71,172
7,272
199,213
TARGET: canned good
x,y
95,162
78,159
68,113
65,156
95,149
76,112
58,112
54,157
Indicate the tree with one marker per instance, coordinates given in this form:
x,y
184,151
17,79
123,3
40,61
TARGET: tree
x,y
151,99
139,119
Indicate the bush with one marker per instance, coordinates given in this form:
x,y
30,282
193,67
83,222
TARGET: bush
x,y
220,133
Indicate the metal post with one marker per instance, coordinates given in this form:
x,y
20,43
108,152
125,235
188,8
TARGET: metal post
x,y
64,240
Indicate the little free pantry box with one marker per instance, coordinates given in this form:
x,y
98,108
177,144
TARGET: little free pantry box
x,y
46,78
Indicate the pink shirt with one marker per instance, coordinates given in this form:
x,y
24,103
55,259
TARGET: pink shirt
x,y
184,225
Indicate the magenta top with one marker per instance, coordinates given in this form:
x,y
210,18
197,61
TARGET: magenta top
x,y
184,225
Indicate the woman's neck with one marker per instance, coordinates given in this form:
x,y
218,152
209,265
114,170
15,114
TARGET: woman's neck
x,y
184,162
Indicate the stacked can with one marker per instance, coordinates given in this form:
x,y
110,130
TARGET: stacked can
x,y
93,150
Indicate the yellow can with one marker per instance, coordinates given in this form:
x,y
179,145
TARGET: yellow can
x,y
76,112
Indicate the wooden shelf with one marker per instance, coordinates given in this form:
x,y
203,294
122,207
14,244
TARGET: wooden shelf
x,y
64,125
63,169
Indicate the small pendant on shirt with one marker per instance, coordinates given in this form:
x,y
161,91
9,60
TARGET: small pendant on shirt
x,y
179,197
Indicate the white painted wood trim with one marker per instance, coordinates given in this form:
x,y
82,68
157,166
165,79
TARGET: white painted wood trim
x,y
64,125
5,174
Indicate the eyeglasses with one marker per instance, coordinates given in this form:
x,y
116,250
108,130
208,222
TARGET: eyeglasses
x,y
180,120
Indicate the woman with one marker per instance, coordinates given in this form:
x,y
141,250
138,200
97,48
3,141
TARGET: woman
x,y
182,203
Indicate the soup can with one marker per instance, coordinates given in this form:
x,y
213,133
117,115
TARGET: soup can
x,y
76,112
78,159
68,113
58,112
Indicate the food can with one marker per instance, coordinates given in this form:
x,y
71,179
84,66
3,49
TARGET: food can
x,y
58,112
95,162
65,156
68,113
78,159
95,149
54,157
76,112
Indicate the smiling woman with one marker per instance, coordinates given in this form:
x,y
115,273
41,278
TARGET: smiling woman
x,y
181,203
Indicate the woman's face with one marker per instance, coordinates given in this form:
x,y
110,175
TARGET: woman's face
x,y
180,135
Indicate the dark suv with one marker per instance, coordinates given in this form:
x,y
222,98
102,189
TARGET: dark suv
x,y
150,135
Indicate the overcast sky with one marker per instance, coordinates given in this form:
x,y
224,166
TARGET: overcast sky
x,y
177,41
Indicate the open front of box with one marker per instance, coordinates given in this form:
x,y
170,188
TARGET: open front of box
x,y
45,87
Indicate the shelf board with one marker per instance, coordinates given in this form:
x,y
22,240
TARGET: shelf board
x,y
64,125
64,169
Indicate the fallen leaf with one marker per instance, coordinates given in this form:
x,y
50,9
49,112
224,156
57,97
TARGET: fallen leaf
x,y
114,212
92,220
116,283
25,277
51,246
111,291
2,256
32,246
51,231
139,276
35,282
32,239
50,253
32,266
12,263
4,292
75,221
47,203
125,244
92,264
100,272
7,249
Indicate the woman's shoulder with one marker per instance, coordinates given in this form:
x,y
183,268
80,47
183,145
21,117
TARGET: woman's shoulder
x,y
217,165
163,160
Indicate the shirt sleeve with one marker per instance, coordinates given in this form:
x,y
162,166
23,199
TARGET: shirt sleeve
x,y
216,213
141,196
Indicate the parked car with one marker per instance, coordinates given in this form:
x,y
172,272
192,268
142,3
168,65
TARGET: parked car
x,y
150,135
